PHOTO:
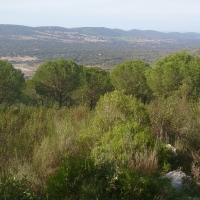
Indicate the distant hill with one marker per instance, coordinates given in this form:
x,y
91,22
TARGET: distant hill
x,y
90,45
101,32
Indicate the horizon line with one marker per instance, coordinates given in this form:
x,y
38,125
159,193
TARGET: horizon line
x,y
99,27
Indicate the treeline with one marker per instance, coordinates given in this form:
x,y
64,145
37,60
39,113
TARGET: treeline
x,y
76,132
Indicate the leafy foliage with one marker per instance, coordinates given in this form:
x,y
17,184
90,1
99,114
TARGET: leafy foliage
x,y
173,73
31,97
130,78
11,189
57,80
97,83
117,107
80,178
11,83
127,145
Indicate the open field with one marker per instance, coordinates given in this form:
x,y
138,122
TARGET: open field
x,y
19,58
23,63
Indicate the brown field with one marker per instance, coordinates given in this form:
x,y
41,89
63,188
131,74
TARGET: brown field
x,y
22,64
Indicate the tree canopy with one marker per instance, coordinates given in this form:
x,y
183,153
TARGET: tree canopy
x,y
130,78
97,83
11,83
57,80
173,73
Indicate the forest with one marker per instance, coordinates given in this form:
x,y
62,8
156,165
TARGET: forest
x,y
73,132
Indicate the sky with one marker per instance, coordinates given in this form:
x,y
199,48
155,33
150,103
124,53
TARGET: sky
x,y
159,15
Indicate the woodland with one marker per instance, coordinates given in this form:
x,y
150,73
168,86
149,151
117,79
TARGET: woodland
x,y
91,46
73,132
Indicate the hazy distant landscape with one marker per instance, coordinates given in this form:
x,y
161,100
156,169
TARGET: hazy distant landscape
x,y
27,47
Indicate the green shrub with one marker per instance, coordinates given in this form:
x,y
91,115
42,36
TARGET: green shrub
x,y
117,107
80,178
113,109
11,189
127,144
164,159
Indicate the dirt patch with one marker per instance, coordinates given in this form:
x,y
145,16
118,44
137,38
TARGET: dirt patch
x,y
19,58
22,63
26,70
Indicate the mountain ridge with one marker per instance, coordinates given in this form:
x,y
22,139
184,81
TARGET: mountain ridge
x,y
95,31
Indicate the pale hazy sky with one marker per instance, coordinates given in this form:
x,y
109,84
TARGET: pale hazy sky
x,y
160,15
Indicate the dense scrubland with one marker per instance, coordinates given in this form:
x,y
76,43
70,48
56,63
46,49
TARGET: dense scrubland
x,y
76,132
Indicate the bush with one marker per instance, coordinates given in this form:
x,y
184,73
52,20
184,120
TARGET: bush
x,y
11,189
80,178
117,107
127,144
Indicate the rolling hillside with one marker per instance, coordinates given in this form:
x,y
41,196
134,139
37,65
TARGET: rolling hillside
x,y
27,47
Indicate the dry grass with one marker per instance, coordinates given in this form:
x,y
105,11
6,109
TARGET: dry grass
x,y
48,154
145,161
196,166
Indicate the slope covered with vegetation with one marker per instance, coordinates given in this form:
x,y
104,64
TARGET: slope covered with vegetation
x,y
73,132
92,46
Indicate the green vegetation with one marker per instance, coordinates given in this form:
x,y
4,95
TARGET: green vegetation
x,y
90,46
97,83
130,78
11,83
57,79
68,133
175,73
